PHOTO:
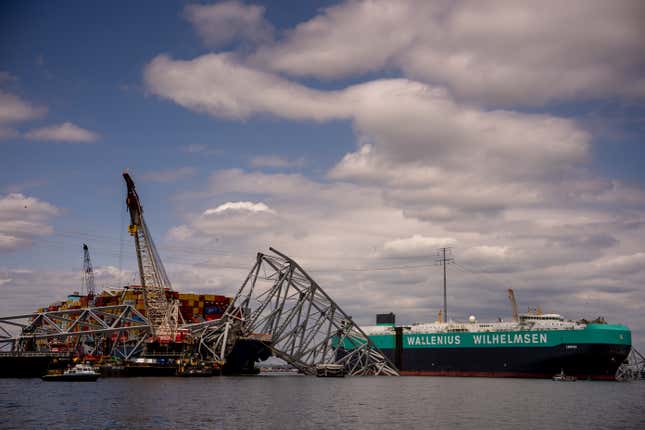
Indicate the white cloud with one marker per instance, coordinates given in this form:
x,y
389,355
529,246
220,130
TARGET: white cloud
x,y
341,40
239,206
231,218
180,233
416,246
218,85
239,181
431,158
275,161
65,132
169,175
500,52
8,242
23,291
221,23
22,219
17,205
405,121
14,110
624,264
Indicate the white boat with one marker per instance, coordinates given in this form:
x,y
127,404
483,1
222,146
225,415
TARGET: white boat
x,y
80,373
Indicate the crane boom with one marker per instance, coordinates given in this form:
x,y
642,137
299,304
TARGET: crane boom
x,y
88,274
511,297
162,314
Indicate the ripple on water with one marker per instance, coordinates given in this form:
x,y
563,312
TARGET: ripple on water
x,y
304,402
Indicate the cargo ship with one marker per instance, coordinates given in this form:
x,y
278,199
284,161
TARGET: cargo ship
x,y
40,355
533,345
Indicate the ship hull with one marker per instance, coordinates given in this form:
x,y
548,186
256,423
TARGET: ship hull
x,y
70,378
246,352
33,365
593,352
590,361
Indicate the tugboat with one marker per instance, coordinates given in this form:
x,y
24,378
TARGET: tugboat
x,y
78,373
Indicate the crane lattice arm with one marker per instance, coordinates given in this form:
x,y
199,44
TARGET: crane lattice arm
x,y
162,314
88,274
511,297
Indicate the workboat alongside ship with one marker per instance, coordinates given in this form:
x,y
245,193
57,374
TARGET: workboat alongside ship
x,y
534,346
78,373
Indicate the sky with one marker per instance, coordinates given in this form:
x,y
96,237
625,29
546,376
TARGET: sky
x,y
358,137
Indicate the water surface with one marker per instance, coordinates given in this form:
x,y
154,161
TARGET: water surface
x,y
279,402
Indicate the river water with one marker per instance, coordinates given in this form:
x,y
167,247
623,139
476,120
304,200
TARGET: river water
x,y
285,402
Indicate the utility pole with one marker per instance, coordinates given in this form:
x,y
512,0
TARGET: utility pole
x,y
443,258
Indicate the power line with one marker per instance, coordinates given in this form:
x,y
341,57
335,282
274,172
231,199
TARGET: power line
x,y
479,273
187,258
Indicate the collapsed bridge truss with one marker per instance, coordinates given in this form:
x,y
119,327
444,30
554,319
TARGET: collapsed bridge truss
x,y
123,326
632,368
281,305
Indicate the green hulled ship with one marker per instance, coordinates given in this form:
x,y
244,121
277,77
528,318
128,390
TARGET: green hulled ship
x,y
537,346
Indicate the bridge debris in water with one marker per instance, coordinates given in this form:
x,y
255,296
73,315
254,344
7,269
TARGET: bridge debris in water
x,y
282,306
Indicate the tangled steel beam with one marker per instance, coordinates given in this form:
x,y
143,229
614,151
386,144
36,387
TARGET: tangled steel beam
x,y
280,305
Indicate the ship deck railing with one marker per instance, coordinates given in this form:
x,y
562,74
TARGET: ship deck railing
x,y
33,354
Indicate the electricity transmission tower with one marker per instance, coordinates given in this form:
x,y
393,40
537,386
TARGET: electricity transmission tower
x,y
444,257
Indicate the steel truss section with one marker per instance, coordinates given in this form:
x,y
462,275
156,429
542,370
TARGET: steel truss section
x,y
85,328
632,368
281,305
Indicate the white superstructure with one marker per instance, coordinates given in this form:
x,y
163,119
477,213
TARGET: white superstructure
x,y
527,321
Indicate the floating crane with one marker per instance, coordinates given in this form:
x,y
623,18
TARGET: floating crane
x,y
88,274
511,297
162,313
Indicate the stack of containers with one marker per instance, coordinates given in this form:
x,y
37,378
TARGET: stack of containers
x,y
55,306
193,307
215,306
184,306
74,300
107,298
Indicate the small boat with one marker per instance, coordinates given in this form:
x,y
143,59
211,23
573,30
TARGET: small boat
x,y
562,377
330,370
79,373
195,371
